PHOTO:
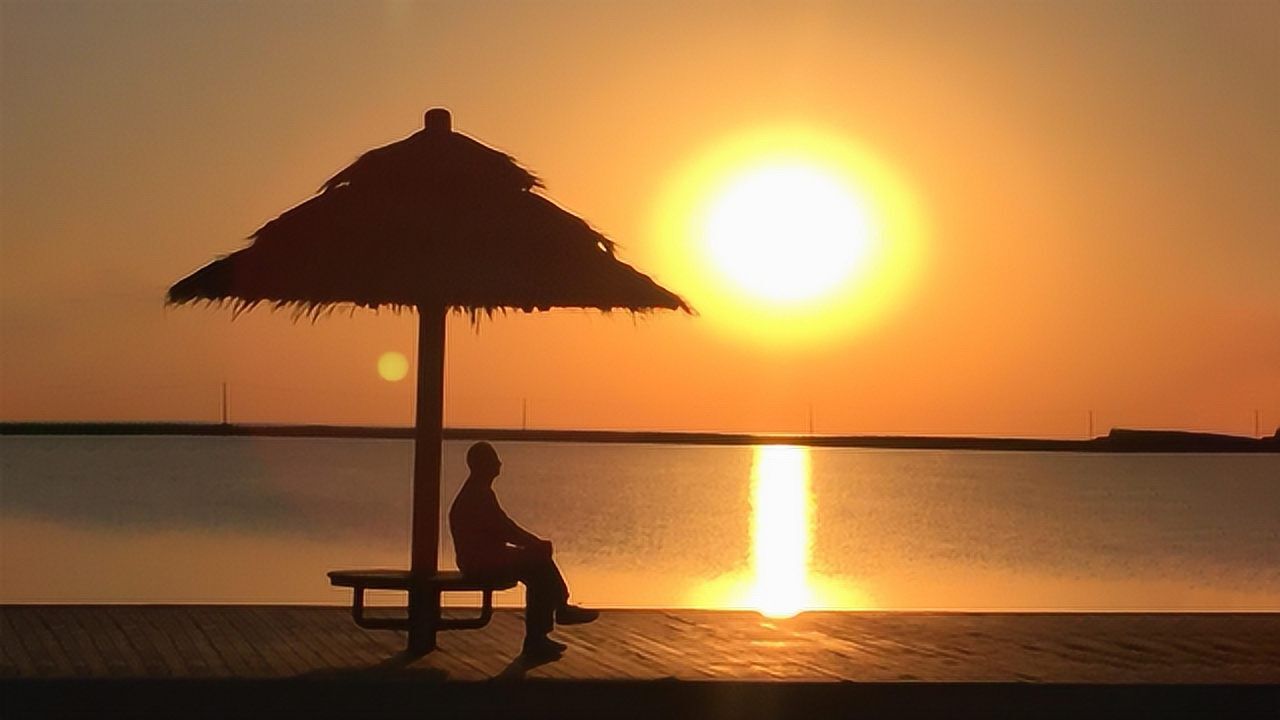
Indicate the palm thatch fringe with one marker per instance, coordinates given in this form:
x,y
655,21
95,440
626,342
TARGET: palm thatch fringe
x,y
313,312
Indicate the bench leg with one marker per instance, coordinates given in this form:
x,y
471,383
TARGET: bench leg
x,y
424,619
357,614
486,614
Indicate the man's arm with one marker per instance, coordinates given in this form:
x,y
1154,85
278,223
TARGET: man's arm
x,y
516,535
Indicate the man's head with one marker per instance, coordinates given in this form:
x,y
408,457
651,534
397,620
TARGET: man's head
x,y
483,460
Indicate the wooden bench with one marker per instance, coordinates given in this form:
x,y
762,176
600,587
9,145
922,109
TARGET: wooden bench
x,y
402,580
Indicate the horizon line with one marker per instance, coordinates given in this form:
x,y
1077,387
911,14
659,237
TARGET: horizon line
x,y
1116,440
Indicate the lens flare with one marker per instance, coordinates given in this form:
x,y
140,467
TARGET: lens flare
x,y
393,366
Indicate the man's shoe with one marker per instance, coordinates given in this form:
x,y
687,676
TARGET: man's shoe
x,y
543,648
574,615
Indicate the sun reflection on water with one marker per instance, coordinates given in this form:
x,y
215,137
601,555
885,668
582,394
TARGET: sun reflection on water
x,y
780,510
777,579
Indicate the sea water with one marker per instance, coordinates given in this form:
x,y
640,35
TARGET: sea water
x,y
780,529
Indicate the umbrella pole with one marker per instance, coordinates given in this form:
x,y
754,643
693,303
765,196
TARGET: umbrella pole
x,y
424,605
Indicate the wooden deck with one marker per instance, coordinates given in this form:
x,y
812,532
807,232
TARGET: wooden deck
x,y
123,641
219,661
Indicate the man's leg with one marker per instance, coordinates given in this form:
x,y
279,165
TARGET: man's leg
x,y
546,601
543,592
558,593
557,590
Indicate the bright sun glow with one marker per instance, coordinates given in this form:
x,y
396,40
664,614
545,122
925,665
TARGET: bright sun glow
x,y
393,366
789,235
788,232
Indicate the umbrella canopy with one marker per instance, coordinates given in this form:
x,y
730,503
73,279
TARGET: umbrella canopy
x,y
434,222
436,219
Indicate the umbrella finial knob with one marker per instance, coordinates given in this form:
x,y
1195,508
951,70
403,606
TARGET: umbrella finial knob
x,y
437,120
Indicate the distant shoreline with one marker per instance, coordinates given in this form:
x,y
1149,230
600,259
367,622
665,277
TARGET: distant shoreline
x,y
1117,441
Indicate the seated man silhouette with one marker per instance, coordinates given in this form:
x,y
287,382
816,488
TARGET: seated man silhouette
x,y
489,544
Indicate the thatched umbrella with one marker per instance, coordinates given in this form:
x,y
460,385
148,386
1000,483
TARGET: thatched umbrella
x,y
437,222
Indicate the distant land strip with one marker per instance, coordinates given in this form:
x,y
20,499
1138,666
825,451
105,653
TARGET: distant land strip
x,y
1117,441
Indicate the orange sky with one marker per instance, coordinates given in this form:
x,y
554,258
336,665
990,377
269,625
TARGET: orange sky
x,y
1100,186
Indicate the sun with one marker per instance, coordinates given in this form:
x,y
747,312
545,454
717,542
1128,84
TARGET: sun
x,y
787,232
393,366
789,235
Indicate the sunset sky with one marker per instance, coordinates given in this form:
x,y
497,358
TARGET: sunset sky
x,y
1075,207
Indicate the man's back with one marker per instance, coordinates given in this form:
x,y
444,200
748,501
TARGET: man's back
x,y
479,526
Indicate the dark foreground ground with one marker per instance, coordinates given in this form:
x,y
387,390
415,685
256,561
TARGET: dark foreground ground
x,y
274,661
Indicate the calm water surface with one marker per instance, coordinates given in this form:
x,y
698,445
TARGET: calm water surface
x,y
201,519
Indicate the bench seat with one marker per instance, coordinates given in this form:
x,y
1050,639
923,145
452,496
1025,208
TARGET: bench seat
x,y
441,581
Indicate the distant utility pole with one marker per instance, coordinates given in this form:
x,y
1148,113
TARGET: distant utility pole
x,y
1090,437
524,413
226,413
1257,426
810,419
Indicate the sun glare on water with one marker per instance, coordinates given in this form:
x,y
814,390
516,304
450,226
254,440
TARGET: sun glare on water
x,y
780,532
788,235
778,579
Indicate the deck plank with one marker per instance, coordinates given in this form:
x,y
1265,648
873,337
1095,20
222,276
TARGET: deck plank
x,y
161,655
59,645
332,648
153,661
185,659
77,642
266,643
16,634
285,644
120,654
244,646
181,621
